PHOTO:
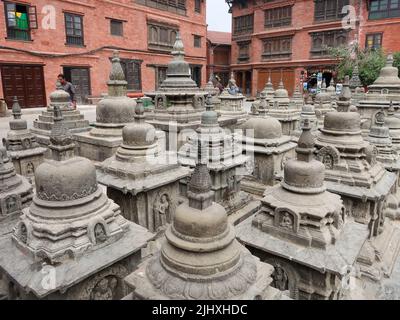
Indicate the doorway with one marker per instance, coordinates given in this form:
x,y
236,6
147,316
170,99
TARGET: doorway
x,y
80,79
26,82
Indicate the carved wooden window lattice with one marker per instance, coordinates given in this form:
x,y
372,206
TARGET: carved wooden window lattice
x,y
322,41
161,37
278,17
329,9
381,9
175,6
277,48
244,52
243,24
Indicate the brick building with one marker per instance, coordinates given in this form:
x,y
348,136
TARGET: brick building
x,y
288,38
219,54
41,38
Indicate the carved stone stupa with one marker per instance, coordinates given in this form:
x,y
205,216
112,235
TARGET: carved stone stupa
x,y
284,110
301,230
21,144
142,181
268,149
113,112
15,191
323,103
73,119
200,257
225,160
72,230
178,99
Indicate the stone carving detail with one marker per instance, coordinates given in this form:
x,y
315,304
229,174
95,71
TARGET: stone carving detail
x,y
161,211
26,143
53,195
11,204
329,156
105,289
100,234
30,168
161,101
379,117
198,101
23,233
280,278
371,153
286,220
229,285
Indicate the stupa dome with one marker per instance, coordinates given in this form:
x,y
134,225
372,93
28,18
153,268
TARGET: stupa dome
x,y
139,133
391,121
342,122
304,174
59,97
210,116
388,74
264,127
281,92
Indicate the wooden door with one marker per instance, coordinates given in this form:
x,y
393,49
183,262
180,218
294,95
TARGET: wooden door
x,y
26,82
80,79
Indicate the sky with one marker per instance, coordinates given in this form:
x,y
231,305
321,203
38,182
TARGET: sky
x,y
218,18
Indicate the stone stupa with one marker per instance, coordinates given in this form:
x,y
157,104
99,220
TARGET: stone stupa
x,y
353,172
231,108
286,111
72,229
268,149
178,102
344,100
323,103
388,82
225,160
113,113
15,192
73,119
143,182
301,229
200,257
21,144
307,113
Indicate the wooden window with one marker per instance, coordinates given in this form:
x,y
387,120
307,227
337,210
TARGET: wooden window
x,y
329,9
244,51
74,29
161,75
132,71
197,41
20,19
197,6
373,41
175,6
243,24
277,48
321,41
161,37
278,17
116,27
381,9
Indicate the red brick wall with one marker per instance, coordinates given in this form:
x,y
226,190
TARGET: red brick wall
x,y
97,34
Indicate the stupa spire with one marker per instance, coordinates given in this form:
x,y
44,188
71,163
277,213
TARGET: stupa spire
x,y
116,83
61,144
16,109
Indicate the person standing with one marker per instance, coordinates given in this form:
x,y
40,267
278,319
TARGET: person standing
x,y
68,87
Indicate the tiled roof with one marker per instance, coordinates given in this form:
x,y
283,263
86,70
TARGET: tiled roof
x,y
219,37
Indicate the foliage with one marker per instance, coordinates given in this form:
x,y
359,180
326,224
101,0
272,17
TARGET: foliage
x,y
396,62
369,62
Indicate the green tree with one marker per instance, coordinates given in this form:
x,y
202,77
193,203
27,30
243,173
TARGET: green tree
x,y
396,62
369,62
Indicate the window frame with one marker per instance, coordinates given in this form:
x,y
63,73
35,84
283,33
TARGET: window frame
x,y
121,22
386,13
198,38
277,54
336,13
374,35
82,37
322,51
241,26
281,22
32,22
197,6
242,58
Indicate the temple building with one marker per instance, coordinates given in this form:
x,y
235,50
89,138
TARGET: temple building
x,y
353,172
24,151
140,179
15,193
200,257
301,229
225,161
113,112
73,119
286,111
268,149
72,242
178,101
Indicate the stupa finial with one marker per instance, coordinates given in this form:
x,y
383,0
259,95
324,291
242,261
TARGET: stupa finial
x,y
305,144
61,142
117,73
16,109
389,60
178,48
139,111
